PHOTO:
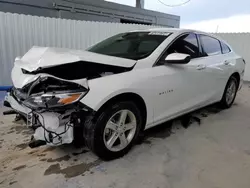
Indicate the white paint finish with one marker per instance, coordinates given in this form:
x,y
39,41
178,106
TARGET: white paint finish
x,y
19,79
173,90
168,90
196,84
240,44
18,33
15,105
135,81
44,57
176,57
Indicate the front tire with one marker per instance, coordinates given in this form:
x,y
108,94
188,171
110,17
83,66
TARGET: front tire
x,y
229,93
114,131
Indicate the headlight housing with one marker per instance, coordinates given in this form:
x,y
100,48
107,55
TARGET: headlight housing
x,y
49,92
52,100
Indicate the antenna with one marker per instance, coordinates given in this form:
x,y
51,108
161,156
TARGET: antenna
x,y
217,29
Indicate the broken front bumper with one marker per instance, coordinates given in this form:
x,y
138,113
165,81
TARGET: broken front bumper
x,y
53,127
16,105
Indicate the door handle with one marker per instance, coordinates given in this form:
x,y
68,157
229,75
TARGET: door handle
x,y
201,67
226,62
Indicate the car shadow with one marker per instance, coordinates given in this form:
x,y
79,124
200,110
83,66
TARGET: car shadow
x,y
162,131
165,129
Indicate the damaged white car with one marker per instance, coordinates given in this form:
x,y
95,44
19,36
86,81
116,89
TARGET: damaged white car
x,y
105,96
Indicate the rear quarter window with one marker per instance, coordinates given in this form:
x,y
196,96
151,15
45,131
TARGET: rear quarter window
x,y
225,48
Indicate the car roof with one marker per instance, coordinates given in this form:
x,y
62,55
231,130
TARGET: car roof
x,y
171,30
166,29
179,31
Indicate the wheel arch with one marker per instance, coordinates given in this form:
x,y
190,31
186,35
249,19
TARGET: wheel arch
x,y
236,75
128,96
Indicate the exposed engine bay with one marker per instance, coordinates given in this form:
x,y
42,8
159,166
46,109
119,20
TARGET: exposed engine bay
x,y
73,71
48,96
53,107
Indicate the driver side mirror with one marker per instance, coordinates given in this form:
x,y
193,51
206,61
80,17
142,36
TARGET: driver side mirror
x,y
178,58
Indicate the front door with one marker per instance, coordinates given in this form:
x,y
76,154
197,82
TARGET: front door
x,y
179,88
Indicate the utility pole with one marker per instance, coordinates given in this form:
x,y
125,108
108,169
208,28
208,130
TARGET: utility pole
x,y
140,4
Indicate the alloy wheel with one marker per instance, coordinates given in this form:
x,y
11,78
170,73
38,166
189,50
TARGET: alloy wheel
x,y
120,130
231,92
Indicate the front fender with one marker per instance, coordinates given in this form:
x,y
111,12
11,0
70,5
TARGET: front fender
x,y
103,89
96,100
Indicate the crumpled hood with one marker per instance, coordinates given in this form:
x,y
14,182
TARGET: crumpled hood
x,y
20,80
42,57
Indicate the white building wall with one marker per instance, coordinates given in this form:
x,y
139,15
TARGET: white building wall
x,y
18,33
240,43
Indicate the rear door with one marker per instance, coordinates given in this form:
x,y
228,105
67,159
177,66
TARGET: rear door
x,y
229,61
215,62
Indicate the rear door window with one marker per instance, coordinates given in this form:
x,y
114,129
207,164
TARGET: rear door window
x,y
210,45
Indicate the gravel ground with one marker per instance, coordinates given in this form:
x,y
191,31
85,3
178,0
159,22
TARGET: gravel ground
x,y
212,152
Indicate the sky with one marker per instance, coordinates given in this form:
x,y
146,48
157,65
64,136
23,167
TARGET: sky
x,y
205,15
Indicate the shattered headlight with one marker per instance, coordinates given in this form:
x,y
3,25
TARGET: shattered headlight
x,y
50,100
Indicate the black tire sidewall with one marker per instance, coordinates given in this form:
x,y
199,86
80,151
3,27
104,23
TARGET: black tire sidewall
x,y
223,102
98,145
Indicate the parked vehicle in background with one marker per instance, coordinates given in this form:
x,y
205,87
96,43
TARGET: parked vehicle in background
x,y
105,96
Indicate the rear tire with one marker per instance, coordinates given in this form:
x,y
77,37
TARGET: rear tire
x,y
114,131
229,93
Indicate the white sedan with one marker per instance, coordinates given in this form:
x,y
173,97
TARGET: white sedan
x,y
105,96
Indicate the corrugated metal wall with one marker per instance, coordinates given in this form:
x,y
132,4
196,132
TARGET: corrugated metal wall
x,y
240,43
18,33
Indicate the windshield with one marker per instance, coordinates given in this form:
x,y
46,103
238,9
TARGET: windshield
x,y
133,45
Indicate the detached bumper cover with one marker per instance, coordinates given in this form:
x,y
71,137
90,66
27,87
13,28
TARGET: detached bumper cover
x,y
52,127
23,110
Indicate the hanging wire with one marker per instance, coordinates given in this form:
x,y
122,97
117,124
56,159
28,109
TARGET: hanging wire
x,y
45,130
174,5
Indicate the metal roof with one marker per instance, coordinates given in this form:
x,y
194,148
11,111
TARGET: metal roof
x,y
92,10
